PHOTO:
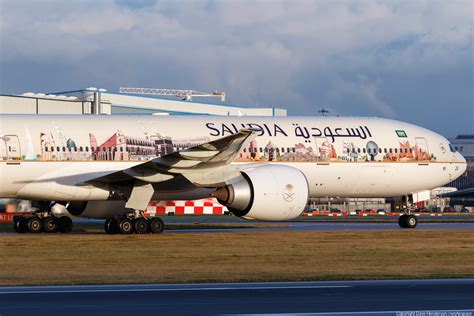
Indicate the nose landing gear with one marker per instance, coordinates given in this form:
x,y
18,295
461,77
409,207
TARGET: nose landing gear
x,y
407,221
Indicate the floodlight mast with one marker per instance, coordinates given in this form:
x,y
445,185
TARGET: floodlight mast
x,y
182,94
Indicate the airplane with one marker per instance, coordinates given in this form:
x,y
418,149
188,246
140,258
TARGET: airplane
x,y
260,168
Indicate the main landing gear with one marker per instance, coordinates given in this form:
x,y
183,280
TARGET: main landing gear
x,y
38,222
134,222
407,221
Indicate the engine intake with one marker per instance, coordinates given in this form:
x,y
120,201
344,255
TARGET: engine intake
x,y
268,193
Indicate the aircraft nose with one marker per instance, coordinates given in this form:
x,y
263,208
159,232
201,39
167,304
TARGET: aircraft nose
x,y
463,163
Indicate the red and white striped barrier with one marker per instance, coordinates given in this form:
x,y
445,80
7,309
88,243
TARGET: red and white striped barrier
x,y
208,206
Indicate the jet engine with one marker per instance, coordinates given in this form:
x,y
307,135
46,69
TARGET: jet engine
x,y
267,193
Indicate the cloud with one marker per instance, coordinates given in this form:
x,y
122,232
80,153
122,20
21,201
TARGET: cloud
x,y
290,53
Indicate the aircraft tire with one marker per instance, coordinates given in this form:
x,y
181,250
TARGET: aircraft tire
x,y
142,226
156,225
111,226
50,224
35,225
126,226
20,225
64,224
411,221
402,221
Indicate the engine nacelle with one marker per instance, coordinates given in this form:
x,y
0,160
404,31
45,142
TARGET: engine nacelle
x,y
267,193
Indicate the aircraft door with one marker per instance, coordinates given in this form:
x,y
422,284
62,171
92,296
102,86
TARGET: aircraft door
x,y
422,152
10,147
324,148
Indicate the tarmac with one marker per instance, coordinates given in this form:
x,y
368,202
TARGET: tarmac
x,y
326,226
397,297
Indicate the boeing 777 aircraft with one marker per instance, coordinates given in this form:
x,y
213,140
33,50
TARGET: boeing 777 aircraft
x,y
262,168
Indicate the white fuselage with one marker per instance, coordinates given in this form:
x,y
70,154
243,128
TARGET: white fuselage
x,y
49,157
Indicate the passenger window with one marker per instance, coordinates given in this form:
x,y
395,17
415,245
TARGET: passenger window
x,y
363,150
396,150
64,148
358,150
80,148
58,149
390,150
46,149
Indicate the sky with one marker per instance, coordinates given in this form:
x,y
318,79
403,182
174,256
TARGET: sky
x,y
406,60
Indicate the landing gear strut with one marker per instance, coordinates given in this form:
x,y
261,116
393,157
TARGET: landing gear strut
x,y
408,220
134,222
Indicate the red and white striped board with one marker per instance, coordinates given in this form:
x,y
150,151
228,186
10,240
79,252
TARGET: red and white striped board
x,y
208,206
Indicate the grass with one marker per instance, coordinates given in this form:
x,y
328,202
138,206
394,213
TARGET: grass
x,y
228,257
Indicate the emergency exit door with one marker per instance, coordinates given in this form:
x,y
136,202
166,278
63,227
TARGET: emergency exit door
x,y
10,147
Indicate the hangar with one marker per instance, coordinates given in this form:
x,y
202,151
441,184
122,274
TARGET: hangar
x,y
99,101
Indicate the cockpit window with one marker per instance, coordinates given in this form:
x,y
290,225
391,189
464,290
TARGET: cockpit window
x,y
452,149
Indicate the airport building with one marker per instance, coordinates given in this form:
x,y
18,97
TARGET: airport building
x,y
129,101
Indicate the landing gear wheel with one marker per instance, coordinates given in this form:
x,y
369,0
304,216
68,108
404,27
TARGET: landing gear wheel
x,y
64,224
157,226
20,225
111,226
402,221
408,221
411,221
35,225
126,226
50,225
142,226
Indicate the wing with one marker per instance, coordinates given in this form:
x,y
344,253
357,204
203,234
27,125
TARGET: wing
x,y
206,165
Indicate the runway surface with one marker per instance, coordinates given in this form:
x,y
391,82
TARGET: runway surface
x,y
317,298
300,224
335,226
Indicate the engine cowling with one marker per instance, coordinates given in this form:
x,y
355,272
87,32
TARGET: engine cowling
x,y
267,193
